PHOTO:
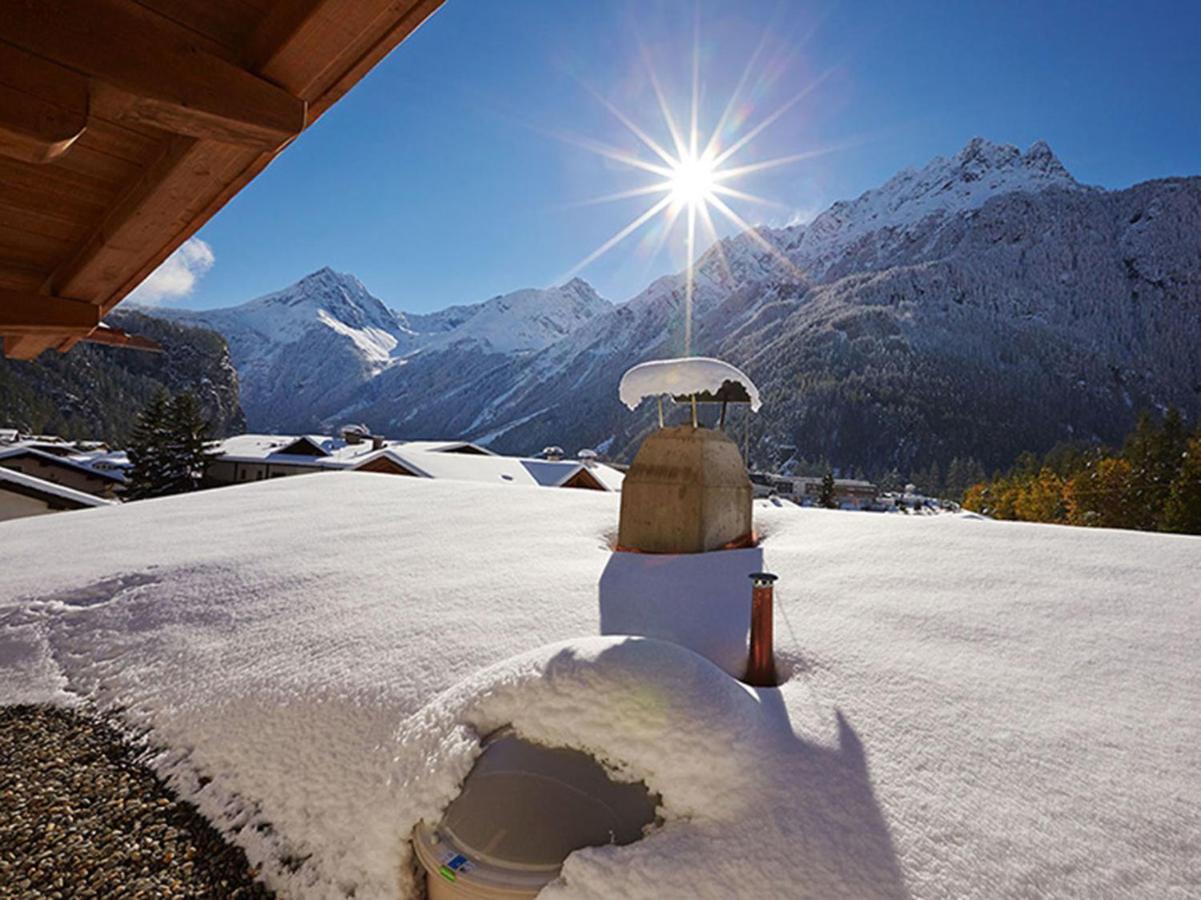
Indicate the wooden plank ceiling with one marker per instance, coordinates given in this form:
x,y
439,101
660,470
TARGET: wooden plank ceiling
x,y
126,124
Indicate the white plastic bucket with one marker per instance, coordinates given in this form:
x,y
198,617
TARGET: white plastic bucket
x,y
523,809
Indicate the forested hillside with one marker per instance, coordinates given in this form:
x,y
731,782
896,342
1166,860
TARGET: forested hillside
x,y
96,391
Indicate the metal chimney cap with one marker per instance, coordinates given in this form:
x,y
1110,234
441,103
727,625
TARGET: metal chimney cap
x,y
763,579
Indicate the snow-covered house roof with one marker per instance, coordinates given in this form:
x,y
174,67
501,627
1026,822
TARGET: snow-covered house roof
x,y
323,451
56,496
75,462
607,475
494,469
465,447
969,708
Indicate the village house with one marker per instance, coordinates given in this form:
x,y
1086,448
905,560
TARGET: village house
x,y
24,495
849,493
63,464
258,457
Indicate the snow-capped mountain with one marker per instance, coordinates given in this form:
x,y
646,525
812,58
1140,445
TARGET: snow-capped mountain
x,y
312,350
911,203
981,305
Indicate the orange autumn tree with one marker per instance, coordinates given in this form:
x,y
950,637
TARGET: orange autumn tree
x,y
1099,496
1042,498
1153,483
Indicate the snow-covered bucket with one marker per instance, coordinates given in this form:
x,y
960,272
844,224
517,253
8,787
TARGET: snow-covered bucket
x,y
523,808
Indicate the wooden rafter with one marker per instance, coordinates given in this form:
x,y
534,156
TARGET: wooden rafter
x,y
192,99
38,314
147,71
43,106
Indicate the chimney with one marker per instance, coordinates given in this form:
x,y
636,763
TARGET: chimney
x,y
354,434
377,441
587,457
687,490
554,454
761,660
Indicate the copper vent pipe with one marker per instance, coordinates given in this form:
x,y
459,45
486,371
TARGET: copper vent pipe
x,y
761,662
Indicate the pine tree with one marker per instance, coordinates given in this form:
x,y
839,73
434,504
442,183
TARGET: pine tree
x,y
928,481
188,439
827,497
890,481
146,450
1155,454
1182,511
167,450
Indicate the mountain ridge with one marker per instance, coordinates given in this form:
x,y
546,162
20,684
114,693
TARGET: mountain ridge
x,y
983,304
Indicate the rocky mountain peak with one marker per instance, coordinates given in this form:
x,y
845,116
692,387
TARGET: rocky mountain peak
x,y
981,158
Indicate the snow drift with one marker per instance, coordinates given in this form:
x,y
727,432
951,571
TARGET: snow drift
x,y
971,708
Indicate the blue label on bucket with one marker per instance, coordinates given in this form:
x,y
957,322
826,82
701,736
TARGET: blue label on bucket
x,y
457,862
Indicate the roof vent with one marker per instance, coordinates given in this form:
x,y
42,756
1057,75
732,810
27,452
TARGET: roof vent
x,y
587,457
554,454
355,434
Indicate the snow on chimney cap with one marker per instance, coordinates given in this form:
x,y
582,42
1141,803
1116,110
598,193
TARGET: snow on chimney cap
x,y
688,375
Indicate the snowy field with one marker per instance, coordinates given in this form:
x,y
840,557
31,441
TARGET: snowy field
x,y
973,708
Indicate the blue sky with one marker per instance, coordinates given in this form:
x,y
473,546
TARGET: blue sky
x,y
448,174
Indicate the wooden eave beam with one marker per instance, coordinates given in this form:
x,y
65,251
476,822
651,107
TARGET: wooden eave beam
x,y
43,106
146,70
27,314
31,323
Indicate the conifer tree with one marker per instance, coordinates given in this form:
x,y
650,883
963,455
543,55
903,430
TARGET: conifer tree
x,y
1182,511
1150,473
147,474
188,438
890,481
167,450
827,497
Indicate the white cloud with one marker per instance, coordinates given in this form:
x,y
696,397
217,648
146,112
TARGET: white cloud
x,y
177,276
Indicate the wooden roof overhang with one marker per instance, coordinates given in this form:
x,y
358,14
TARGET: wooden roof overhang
x,y
126,124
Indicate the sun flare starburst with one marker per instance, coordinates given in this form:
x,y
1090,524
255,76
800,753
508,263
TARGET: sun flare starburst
x,y
693,179
693,175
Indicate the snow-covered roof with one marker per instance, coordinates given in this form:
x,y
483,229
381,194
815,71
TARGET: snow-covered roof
x,y
607,475
78,462
970,708
688,375
491,469
25,484
446,447
335,453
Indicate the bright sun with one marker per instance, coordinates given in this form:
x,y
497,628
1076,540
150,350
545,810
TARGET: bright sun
x,y
692,180
694,175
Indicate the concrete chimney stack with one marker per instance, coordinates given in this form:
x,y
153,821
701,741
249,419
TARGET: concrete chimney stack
x,y
687,490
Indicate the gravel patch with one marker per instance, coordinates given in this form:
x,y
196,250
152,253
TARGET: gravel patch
x,y
80,817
